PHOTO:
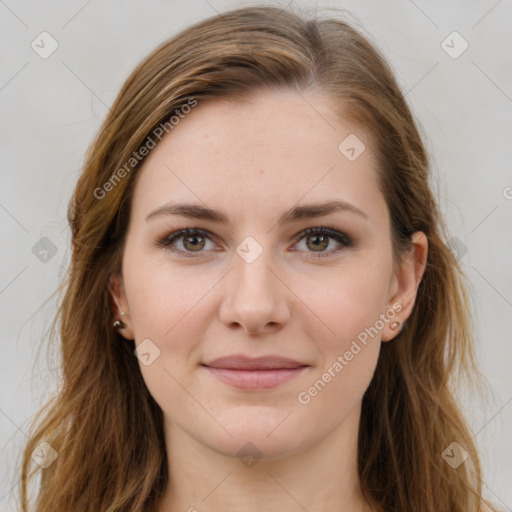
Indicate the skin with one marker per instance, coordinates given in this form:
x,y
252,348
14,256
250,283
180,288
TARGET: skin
x,y
254,161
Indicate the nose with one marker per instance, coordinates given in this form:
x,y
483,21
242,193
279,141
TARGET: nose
x,y
255,298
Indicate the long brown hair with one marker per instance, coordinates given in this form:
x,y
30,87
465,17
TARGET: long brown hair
x,y
105,426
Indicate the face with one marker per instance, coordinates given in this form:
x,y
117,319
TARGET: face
x,y
257,285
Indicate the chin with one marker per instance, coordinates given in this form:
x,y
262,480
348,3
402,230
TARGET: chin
x,y
256,435
249,448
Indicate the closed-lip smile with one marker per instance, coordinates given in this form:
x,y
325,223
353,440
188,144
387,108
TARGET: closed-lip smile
x,y
263,372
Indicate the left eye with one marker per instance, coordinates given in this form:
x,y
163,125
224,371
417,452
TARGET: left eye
x,y
193,240
318,238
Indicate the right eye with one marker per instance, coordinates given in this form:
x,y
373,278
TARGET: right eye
x,y
192,239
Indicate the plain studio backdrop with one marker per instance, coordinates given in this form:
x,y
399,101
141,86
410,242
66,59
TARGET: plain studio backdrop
x,y
63,64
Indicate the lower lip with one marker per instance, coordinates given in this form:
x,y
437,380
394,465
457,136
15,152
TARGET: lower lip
x,y
255,379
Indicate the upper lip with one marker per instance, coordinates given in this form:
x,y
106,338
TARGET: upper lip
x,y
241,362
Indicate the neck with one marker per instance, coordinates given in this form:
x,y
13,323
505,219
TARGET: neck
x,y
319,479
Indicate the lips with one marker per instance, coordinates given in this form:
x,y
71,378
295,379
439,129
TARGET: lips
x,y
247,373
241,362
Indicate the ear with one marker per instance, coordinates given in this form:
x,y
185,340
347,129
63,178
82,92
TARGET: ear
x,y
405,282
120,305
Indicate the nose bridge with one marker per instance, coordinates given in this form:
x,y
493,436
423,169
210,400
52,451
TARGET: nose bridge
x,y
252,278
254,295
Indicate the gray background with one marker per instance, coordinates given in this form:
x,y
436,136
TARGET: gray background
x,y
51,109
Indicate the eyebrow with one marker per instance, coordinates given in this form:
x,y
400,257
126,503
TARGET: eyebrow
x,y
295,214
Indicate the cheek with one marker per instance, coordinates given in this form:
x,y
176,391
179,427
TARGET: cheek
x,y
348,299
165,308
162,298
351,306
352,310
170,307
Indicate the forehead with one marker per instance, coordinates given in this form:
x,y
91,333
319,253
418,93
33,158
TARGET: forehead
x,y
274,150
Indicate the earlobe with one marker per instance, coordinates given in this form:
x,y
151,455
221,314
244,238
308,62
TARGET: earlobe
x,y
406,283
121,321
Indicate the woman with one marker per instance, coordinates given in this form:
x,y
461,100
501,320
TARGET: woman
x,y
261,312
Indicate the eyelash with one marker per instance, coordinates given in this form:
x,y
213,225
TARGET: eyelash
x,y
344,240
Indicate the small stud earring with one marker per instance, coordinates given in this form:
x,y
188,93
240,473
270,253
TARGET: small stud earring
x,y
395,326
119,324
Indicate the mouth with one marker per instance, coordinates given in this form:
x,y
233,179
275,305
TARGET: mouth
x,y
255,373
